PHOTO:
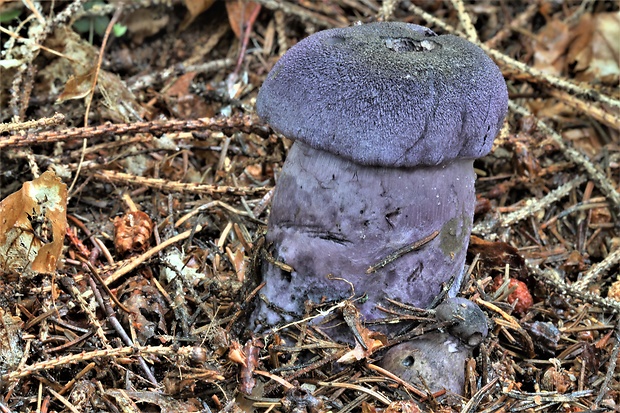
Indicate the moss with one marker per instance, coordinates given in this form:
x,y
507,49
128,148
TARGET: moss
x,y
453,235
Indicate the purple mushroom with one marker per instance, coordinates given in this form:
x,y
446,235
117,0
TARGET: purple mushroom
x,y
387,119
435,360
469,323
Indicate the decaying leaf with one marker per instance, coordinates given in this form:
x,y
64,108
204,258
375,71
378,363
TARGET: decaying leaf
x,y
144,22
195,7
596,48
33,222
11,351
497,254
147,308
239,14
367,341
550,47
590,47
76,73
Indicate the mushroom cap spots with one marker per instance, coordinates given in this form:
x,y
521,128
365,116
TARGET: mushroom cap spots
x,y
386,94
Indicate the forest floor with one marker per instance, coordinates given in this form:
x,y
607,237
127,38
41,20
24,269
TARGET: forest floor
x,y
143,115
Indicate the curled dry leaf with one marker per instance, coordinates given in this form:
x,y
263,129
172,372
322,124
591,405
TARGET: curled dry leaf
x,y
550,47
132,232
367,341
11,348
147,308
195,8
595,50
33,222
235,354
497,254
614,291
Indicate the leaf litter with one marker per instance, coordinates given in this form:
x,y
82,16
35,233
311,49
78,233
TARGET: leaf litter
x,y
147,301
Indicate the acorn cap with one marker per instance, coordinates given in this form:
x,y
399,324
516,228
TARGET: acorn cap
x,y
386,94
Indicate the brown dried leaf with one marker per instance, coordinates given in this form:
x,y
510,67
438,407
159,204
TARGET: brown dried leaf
x,y
239,14
77,87
32,225
372,340
147,308
11,348
497,254
614,291
145,22
236,355
195,7
81,56
239,261
596,48
550,47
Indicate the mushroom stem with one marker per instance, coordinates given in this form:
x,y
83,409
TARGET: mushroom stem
x,y
334,216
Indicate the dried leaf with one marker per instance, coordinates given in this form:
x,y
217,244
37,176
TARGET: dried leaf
x,y
371,340
77,87
497,254
550,47
145,22
32,225
76,72
239,261
596,48
236,355
195,7
11,348
247,381
147,308
239,14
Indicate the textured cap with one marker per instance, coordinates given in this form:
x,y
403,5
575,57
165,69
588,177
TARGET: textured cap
x,y
389,94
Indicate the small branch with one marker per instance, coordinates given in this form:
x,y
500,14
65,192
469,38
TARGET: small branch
x,y
106,353
247,124
605,185
304,14
533,205
598,269
173,186
552,278
57,119
465,20
402,251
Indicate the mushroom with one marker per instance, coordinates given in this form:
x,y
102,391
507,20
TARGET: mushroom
x,y
435,360
469,323
378,188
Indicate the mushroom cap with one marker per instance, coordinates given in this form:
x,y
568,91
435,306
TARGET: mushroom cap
x,y
386,94
469,321
436,360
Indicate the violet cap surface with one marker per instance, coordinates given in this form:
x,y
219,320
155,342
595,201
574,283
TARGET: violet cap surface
x,y
389,93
